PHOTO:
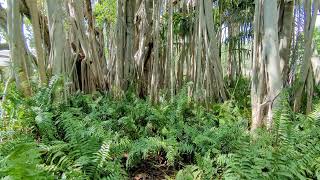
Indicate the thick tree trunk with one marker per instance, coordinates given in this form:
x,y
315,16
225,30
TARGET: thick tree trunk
x,y
271,52
266,76
43,21
25,11
285,36
57,36
143,21
17,48
208,77
213,55
85,40
258,71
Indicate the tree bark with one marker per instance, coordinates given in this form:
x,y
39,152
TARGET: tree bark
x,y
17,48
120,47
310,20
285,22
154,95
266,76
171,57
143,21
38,42
57,36
271,52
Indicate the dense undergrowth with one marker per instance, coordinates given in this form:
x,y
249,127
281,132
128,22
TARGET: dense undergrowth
x,y
98,137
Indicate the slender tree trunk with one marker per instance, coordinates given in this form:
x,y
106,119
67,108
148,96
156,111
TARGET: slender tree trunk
x,y
38,41
230,69
130,38
198,53
120,46
285,35
156,54
171,57
309,26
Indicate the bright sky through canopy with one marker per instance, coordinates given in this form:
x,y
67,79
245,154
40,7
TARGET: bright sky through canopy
x,y
318,21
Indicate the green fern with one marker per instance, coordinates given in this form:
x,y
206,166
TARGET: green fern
x,y
23,162
98,137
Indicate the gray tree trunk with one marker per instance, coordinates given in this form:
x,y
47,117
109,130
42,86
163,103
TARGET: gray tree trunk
x,y
310,20
285,35
17,48
266,75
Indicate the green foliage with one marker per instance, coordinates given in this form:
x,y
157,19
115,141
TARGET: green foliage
x,y
98,137
105,11
23,162
317,39
182,23
240,96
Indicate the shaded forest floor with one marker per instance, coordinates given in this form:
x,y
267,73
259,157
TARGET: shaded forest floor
x,y
99,137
